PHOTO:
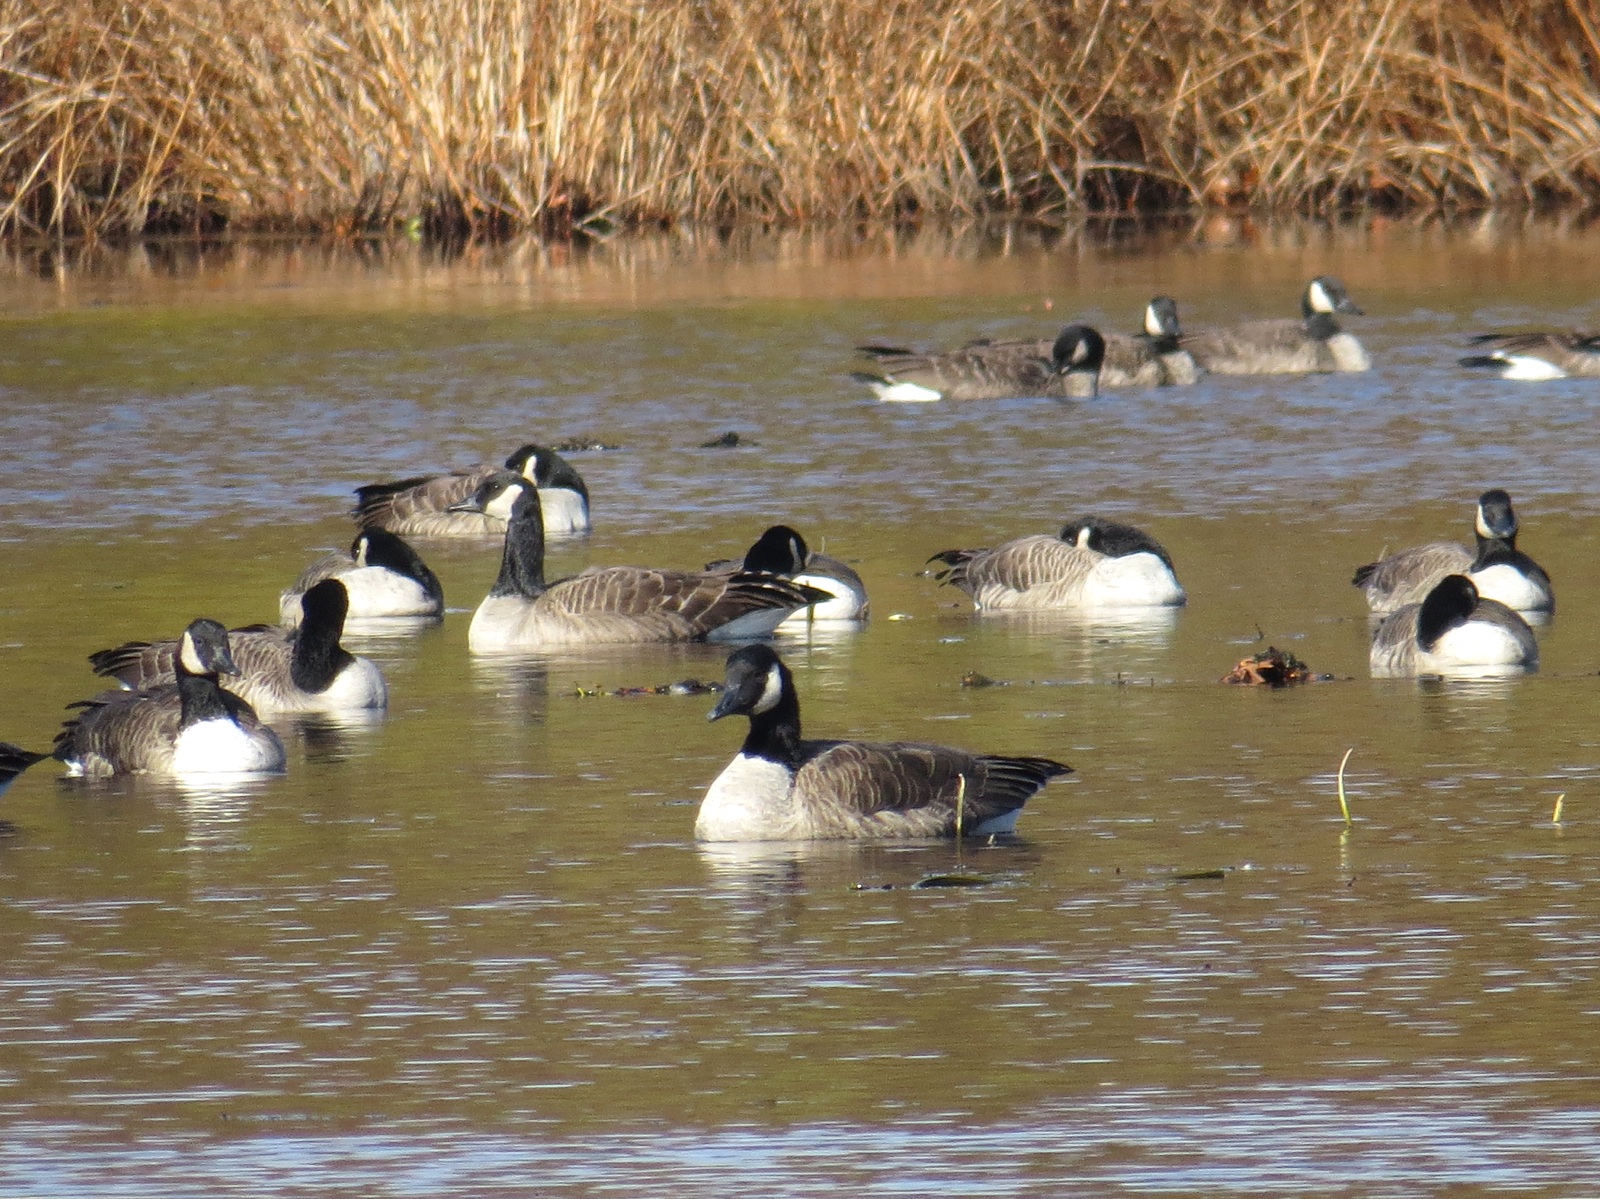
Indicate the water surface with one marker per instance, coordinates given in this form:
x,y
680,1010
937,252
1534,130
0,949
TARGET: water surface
x,y
471,947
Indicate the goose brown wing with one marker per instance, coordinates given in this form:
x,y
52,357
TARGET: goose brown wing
x,y
696,601
1018,565
121,732
325,567
983,370
390,505
855,788
260,651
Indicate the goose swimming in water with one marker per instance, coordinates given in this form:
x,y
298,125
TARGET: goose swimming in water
x,y
1092,564
1068,368
430,505
1277,347
1498,569
1453,631
383,575
1537,356
608,604
189,726
782,551
781,787
278,670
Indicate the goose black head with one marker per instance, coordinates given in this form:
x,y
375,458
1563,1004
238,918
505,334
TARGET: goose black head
x,y
778,551
1452,602
502,495
326,605
1324,296
1161,318
756,681
1496,521
1110,538
203,649
1078,349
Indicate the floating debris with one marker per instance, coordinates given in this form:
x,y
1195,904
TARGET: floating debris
x,y
681,687
727,441
929,882
1192,876
973,679
1274,668
583,447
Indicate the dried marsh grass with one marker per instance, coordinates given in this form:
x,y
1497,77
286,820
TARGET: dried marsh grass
x,y
493,116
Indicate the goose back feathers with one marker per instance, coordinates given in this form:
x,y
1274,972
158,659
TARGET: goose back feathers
x,y
1537,356
1067,368
188,726
430,505
782,787
279,670
617,603
1093,564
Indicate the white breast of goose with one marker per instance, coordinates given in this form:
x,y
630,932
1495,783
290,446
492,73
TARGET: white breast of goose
x,y
1131,581
751,800
375,591
1511,587
1478,646
1345,353
222,747
564,511
846,604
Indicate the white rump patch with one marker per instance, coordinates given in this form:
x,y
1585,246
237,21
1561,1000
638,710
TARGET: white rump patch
x,y
1527,368
896,392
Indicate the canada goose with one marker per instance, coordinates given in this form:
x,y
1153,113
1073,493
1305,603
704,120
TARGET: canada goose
x,y
13,761
783,788
1153,358
279,670
611,603
1093,564
187,725
428,506
1498,569
1452,630
1068,368
1281,347
782,551
384,576
1535,356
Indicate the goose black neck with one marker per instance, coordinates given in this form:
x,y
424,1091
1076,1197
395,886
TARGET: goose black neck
x,y
1162,343
1491,548
1321,325
522,562
391,553
200,697
317,657
775,733
1448,605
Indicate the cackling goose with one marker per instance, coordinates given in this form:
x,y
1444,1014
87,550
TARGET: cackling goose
x,y
278,670
615,603
1498,569
1278,347
384,576
1536,356
1453,631
783,788
186,726
1093,564
1068,368
428,506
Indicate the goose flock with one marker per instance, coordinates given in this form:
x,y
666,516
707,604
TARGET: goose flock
x,y
193,707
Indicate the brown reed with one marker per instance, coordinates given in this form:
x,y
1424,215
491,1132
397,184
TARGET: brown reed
x,y
503,115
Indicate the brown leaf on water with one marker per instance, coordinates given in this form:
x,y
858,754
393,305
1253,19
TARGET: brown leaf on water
x,y
1274,668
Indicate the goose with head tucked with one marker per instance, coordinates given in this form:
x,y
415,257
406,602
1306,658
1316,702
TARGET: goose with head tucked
x,y
612,604
1498,569
430,505
1453,631
279,670
383,575
782,787
1067,368
782,551
1092,565
1280,347
186,727
1537,356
